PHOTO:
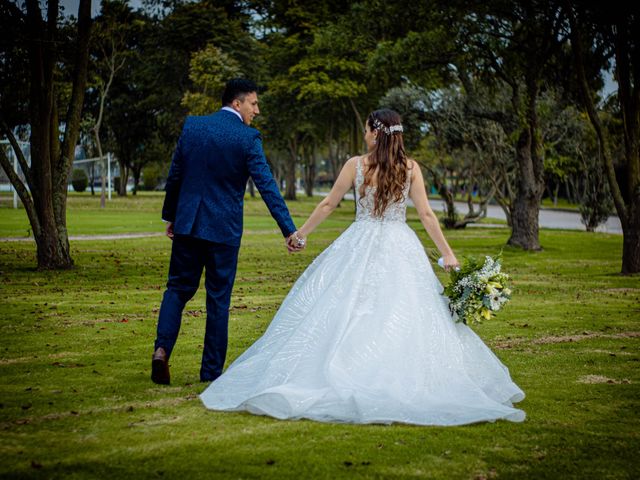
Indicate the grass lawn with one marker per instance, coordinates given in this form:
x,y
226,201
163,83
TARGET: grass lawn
x,y
141,214
76,399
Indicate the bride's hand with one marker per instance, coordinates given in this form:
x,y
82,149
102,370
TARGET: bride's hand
x,y
450,262
296,242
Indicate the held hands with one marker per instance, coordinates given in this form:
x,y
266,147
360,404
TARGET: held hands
x,y
295,242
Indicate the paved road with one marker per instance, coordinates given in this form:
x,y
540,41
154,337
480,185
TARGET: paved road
x,y
548,218
115,236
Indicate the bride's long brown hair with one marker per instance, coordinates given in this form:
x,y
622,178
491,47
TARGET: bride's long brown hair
x,y
389,158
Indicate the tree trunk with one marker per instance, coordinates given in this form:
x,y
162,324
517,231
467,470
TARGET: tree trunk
x,y
290,167
450,219
53,249
124,177
290,179
451,215
526,204
631,238
310,170
309,178
136,178
627,65
524,233
92,178
103,171
530,184
47,178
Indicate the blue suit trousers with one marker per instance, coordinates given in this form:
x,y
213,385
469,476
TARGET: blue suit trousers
x,y
189,256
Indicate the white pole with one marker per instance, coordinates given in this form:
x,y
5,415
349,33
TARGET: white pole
x,y
15,168
109,172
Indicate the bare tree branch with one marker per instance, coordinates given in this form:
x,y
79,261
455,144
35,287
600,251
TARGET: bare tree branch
x,y
22,192
74,112
603,146
18,152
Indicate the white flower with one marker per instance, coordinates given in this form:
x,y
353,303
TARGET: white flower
x,y
496,302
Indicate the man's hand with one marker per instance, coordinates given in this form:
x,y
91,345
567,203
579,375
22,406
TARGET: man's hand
x,y
295,242
170,230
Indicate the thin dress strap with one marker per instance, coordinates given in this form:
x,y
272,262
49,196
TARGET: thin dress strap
x,y
359,172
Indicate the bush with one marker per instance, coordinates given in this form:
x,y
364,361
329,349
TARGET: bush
x,y
151,176
596,203
79,180
116,184
595,208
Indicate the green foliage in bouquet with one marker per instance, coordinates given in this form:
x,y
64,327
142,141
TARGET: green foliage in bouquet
x,y
477,290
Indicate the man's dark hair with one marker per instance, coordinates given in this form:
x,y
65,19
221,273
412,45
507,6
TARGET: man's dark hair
x,y
237,88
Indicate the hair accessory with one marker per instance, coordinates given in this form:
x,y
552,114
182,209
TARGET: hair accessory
x,y
378,125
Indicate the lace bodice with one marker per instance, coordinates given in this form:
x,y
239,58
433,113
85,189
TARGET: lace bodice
x,y
395,212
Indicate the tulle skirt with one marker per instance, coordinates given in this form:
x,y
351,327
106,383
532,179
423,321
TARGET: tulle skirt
x,y
365,336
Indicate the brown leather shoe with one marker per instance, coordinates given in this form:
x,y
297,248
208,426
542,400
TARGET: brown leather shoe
x,y
160,367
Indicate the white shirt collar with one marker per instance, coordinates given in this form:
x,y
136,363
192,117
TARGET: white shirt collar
x,y
229,109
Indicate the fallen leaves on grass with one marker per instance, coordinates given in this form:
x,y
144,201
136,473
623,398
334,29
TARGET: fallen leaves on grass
x,y
550,339
592,379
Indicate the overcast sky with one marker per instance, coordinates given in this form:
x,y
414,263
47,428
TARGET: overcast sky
x,y
71,6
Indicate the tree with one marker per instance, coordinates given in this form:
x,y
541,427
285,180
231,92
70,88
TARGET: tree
x,y
44,192
326,81
209,70
468,157
14,65
146,110
309,83
411,102
571,158
109,39
517,44
603,32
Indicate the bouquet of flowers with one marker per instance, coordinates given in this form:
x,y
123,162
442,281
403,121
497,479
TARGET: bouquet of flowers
x,y
477,289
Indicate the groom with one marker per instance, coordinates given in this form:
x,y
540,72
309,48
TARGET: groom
x,y
214,158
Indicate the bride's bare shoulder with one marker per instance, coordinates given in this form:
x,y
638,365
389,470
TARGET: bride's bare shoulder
x,y
412,166
353,161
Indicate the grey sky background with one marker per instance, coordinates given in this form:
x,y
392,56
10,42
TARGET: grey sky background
x,y
71,8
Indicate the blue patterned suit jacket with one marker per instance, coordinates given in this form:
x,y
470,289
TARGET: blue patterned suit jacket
x,y
205,189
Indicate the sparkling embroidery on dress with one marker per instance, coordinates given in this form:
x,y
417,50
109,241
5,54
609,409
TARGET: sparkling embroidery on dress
x,y
395,212
365,336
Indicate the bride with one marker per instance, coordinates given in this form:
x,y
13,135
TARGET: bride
x,y
364,335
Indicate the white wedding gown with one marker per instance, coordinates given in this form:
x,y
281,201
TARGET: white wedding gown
x,y
365,336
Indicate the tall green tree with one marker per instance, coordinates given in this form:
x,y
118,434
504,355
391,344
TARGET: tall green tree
x,y
209,70
109,53
14,63
305,81
517,44
602,33
147,112
44,191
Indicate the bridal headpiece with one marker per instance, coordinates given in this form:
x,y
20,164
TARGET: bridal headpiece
x,y
378,125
